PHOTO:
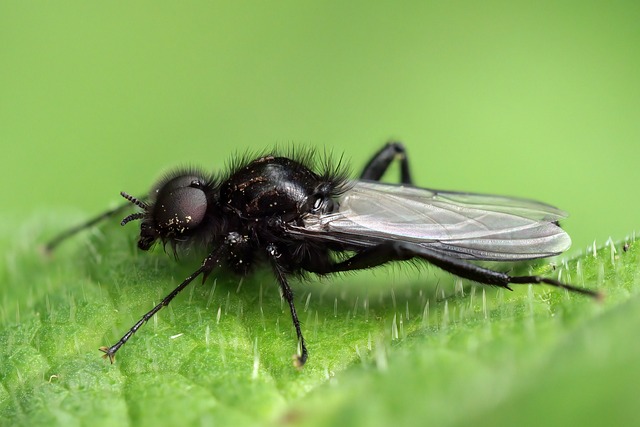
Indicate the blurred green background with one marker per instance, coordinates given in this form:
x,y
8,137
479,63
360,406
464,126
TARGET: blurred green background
x,y
538,99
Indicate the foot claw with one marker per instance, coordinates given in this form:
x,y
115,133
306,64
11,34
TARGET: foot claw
x,y
299,361
108,354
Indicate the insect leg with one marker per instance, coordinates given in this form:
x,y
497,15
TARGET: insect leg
x,y
380,162
212,261
287,293
53,243
404,251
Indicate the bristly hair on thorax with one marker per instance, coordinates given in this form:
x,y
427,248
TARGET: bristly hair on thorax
x,y
329,166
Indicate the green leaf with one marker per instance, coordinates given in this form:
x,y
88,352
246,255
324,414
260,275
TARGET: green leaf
x,y
412,348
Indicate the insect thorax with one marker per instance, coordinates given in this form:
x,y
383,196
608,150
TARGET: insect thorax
x,y
269,187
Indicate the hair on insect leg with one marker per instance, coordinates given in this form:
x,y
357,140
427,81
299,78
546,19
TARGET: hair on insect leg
x,y
287,294
536,280
209,264
400,251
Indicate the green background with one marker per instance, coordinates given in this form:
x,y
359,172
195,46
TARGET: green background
x,y
536,99
531,99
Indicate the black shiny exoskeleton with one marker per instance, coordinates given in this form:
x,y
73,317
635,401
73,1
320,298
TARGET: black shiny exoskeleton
x,y
277,210
242,218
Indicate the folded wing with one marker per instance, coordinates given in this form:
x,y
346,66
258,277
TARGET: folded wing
x,y
463,225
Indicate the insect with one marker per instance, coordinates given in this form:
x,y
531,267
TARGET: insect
x,y
279,211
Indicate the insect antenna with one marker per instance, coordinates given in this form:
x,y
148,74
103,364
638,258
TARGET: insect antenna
x,y
132,217
139,203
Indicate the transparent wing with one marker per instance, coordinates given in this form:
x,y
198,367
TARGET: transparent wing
x,y
464,225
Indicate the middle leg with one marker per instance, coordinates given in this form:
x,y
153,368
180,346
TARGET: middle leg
x,y
287,294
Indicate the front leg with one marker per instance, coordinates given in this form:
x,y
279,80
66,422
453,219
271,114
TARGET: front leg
x,y
65,235
208,265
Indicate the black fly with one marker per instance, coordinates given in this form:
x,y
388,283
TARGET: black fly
x,y
278,210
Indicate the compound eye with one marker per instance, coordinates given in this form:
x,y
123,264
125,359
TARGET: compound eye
x,y
181,204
